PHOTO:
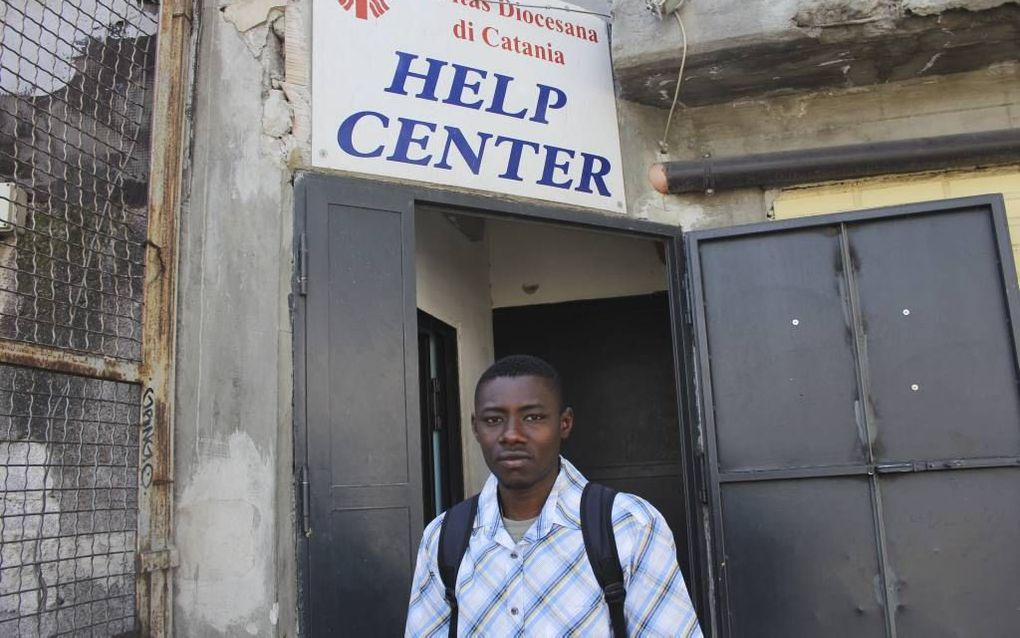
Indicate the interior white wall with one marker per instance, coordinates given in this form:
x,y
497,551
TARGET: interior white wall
x,y
568,265
452,275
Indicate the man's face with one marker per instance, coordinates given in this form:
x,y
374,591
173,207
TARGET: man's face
x,y
519,424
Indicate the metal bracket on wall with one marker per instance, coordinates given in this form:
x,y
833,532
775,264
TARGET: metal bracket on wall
x,y
306,503
158,560
302,265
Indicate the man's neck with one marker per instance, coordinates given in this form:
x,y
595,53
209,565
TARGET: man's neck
x,y
525,503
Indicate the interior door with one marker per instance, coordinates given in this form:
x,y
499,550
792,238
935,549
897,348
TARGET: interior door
x,y
860,392
356,363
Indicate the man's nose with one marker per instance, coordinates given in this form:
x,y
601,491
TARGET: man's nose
x,y
513,432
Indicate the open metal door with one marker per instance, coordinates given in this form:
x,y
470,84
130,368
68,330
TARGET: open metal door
x,y
356,410
859,383
358,462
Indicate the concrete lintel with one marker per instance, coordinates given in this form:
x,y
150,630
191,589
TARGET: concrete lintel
x,y
806,56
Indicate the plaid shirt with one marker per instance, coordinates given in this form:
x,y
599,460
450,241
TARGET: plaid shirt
x,y
544,585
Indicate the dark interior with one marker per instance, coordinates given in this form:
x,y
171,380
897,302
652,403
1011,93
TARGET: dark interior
x,y
615,357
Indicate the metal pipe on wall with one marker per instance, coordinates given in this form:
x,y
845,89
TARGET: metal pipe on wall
x,y
787,168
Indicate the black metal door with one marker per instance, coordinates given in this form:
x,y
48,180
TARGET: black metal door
x,y
859,384
359,408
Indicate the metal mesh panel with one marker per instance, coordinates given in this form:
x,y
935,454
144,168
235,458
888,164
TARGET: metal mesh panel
x,y
75,94
68,514
76,80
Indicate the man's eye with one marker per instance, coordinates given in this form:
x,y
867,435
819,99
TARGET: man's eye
x,y
492,420
534,417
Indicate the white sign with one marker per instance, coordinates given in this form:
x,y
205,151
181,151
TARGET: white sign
x,y
482,94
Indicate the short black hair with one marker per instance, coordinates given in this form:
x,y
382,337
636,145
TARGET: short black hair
x,y
523,365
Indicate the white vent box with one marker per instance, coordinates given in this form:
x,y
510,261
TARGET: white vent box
x,y
13,207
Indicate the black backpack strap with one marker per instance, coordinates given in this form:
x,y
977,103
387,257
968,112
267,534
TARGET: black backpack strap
x,y
454,536
600,543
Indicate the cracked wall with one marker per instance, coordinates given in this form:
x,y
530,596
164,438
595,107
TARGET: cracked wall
x,y
740,50
234,501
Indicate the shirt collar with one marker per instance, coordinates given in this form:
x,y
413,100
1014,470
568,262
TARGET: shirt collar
x,y
561,508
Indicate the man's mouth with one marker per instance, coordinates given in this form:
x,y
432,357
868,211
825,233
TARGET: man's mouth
x,y
512,460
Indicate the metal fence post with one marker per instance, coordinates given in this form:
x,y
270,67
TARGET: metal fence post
x,y
156,553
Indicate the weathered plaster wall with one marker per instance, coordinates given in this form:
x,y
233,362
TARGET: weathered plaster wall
x,y
739,49
234,510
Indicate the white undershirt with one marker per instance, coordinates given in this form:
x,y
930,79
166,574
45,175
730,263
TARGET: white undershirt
x,y
517,529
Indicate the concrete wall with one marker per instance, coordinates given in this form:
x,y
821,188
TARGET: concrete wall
x,y
452,275
739,49
233,428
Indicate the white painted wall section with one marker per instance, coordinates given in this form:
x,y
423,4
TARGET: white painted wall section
x,y
538,264
452,274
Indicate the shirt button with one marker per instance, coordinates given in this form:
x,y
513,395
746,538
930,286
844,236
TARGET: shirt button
x,y
513,611
513,555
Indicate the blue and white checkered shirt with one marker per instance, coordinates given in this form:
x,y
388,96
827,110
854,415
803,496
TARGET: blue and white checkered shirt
x,y
544,585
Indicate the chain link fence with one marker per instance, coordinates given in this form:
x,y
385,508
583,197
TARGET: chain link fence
x,y
75,106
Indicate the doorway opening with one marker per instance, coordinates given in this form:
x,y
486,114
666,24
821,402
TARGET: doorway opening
x,y
594,304
442,474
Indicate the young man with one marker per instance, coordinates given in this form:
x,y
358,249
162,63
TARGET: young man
x,y
525,571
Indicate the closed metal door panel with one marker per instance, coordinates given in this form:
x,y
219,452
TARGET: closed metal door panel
x,y
780,338
794,565
360,410
859,378
952,540
943,382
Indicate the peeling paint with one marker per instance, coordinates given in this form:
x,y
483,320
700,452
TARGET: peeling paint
x,y
831,13
224,531
276,117
930,63
935,7
248,14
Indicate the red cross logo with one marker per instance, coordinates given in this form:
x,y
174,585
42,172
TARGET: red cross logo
x,y
362,7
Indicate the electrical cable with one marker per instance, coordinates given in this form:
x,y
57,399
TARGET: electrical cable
x,y
663,144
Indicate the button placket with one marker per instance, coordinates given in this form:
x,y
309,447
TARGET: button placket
x,y
516,588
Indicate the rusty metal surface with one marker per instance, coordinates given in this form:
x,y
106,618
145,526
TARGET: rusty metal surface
x,y
158,330
92,366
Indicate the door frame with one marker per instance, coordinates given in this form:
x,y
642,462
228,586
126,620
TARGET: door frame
x,y
705,401
365,191
450,432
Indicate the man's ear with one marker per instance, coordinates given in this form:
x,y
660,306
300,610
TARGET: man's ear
x,y
566,422
474,425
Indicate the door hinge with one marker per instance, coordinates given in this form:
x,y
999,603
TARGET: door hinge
x,y
302,264
306,504
157,560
